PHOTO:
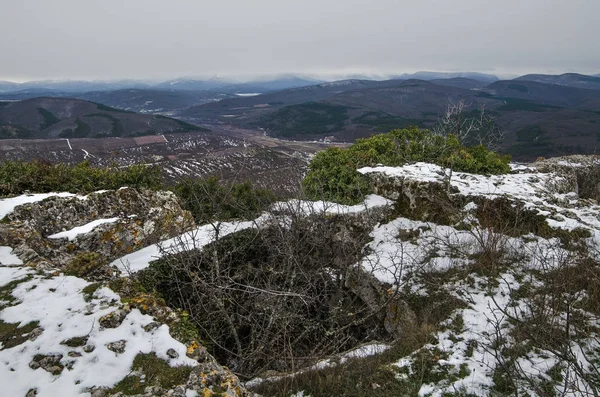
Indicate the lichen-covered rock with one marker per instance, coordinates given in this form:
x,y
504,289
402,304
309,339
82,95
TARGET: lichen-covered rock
x,y
117,347
420,200
581,173
50,363
113,319
134,219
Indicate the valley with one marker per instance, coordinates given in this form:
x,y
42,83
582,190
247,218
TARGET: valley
x,y
540,115
231,154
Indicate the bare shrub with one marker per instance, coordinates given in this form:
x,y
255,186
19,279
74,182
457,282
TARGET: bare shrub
x,y
554,318
280,296
470,126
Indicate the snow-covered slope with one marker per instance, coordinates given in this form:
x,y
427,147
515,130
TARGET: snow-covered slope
x,y
493,281
504,278
60,313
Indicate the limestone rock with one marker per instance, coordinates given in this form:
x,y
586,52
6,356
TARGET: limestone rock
x,y
172,353
581,172
117,347
145,217
50,363
113,319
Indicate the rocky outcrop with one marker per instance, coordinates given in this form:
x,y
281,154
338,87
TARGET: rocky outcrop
x,y
134,219
582,173
426,200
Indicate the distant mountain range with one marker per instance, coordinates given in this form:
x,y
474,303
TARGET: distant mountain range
x,y
488,78
542,115
539,119
229,87
70,85
567,79
72,118
217,84
185,84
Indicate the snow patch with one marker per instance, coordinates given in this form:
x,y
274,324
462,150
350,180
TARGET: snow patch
x,y
8,205
195,239
58,306
326,207
88,227
8,258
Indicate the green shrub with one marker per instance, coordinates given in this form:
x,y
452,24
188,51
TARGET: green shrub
x,y
310,118
477,160
207,199
332,174
17,177
149,370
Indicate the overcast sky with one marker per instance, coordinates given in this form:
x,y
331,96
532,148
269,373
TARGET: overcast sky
x,y
156,39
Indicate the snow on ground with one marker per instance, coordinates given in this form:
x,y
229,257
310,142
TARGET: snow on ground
x,y
326,207
534,189
519,186
58,305
205,234
399,250
403,249
10,274
363,351
194,239
391,259
8,258
8,205
482,319
76,231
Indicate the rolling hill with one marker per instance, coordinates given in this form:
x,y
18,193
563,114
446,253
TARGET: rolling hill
x,y
248,109
357,113
547,94
541,114
567,79
424,75
460,82
72,118
229,87
142,100
539,119
152,100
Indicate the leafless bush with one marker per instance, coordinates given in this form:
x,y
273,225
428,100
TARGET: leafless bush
x,y
471,127
554,318
279,296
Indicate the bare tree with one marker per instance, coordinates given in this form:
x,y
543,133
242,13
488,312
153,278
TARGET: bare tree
x,y
476,127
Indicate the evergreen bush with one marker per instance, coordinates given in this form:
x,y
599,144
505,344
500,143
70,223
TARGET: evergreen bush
x,y
332,174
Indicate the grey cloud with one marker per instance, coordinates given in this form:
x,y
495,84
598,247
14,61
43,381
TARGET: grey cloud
x,y
162,39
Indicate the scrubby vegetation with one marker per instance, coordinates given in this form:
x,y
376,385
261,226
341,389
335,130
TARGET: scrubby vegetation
x,y
332,174
277,297
183,126
117,126
17,177
207,199
383,122
8,131
151,371
81,131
